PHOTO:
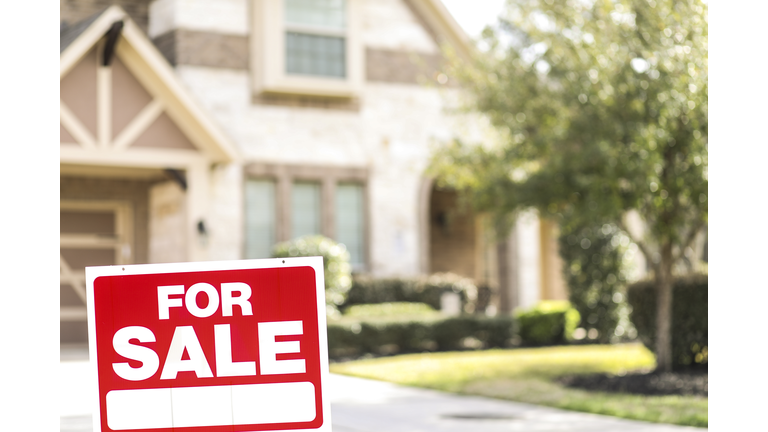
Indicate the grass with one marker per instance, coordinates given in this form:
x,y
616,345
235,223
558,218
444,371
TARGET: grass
x,y
528,375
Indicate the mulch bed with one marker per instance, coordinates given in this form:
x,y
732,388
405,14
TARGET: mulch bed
x,y
691,382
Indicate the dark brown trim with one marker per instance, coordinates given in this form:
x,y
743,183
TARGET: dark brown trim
x,y
166,44
402,67
306,172
328,177
305,101
209,49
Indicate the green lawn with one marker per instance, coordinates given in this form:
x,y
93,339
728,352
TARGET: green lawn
x,y
527,375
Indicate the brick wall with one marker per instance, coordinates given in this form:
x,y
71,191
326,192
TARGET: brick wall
x,y
201,48
401,67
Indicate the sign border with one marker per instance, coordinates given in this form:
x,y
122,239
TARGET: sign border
x,y
316,262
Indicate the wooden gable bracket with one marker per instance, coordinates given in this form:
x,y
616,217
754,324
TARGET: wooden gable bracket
x,y
115,36
109,47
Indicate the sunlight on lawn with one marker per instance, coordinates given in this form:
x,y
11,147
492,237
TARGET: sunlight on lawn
x,y
452,370
528,375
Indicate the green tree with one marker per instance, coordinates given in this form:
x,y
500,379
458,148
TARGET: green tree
x,y
602,110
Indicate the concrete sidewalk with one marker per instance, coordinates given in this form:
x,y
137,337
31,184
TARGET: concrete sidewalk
x,y
360,405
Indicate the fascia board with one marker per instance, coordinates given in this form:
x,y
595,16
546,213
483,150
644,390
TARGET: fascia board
x,y
80,46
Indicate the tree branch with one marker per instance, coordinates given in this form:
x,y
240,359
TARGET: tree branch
x,y
688,241
640,244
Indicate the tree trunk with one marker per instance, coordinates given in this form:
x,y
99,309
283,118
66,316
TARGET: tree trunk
x,y
505,288
663,278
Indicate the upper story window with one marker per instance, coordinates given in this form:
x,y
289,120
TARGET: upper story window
x,y
307,47
315,34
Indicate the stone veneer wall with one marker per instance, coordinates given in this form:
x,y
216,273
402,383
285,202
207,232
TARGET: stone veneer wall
x,y
387,130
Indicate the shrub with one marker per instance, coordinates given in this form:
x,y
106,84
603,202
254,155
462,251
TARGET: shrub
x,y
547,323
351,338
595,271
423,289
689,317
390,309
336,268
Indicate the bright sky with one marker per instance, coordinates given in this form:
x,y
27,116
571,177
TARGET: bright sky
x,y
474,15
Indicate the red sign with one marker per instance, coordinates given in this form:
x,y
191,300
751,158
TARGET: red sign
x,y
228,346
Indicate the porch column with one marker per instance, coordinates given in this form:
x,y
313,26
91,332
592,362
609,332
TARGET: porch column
x,y
507,256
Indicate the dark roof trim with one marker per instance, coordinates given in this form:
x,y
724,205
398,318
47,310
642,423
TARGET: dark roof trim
x,y
109,47
69,33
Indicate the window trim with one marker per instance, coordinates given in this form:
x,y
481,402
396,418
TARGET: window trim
x,y
329,177
267,51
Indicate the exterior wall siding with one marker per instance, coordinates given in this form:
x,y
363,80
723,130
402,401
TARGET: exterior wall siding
x,y
202,48
401,67
167,216
387,129
219,16
198,48
390,136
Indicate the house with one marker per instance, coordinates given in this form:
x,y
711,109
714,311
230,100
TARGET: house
x,y
209,130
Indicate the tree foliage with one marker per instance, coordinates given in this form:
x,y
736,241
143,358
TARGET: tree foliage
x,y
602,110
596,272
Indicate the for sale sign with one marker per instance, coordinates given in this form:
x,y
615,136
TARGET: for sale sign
x,y
215,346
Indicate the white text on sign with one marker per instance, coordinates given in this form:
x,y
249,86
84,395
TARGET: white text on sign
x,y
185,338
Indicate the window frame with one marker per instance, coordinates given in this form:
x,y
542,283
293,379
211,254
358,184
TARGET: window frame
x,y
329,177
268,62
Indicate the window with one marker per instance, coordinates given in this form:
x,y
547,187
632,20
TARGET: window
x,y
315,37
260,218
349,221
307,47
305,209
285,202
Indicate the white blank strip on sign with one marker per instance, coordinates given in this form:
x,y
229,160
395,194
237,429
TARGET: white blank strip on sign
x,y
273,403
201,406
139,409
211,406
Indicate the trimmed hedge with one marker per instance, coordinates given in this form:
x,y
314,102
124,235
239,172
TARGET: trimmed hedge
x,y
429,289
365,311
349,338
548,323
689,317
337,271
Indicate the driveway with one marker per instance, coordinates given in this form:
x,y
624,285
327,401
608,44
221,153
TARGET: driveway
x,y
360,405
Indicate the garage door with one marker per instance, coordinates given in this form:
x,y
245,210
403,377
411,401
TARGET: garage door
x,y
93,233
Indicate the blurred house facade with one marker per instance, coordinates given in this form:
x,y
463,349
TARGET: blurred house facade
x,y
211,129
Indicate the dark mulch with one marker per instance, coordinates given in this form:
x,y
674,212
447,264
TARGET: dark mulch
x,y
690,382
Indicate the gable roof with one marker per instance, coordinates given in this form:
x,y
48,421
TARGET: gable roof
x,y
135,48
69,33
443,25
